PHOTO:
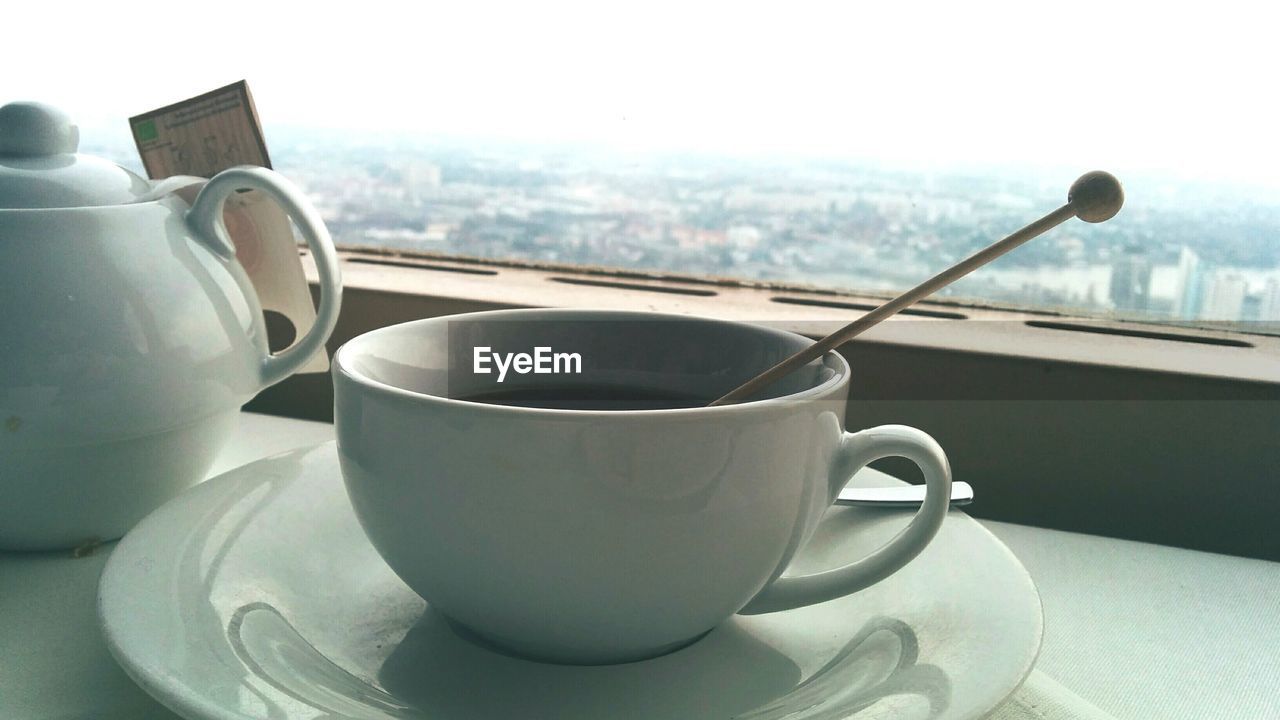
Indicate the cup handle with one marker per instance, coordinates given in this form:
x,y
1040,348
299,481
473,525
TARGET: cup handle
x,y
205,219
856,450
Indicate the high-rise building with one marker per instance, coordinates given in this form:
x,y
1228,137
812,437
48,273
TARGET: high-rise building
x,y
1223,297
1189,290
1269,309
1131,279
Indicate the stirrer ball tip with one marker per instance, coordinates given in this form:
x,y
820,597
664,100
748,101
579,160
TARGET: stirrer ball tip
x,y
1096,196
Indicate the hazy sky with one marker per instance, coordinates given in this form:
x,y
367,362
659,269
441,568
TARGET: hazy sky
x,y
1088,84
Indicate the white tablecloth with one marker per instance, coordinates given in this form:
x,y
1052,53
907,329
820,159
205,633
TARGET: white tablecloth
x,y
1148,632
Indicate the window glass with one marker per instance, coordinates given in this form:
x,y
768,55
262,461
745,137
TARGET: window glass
x,y
859,146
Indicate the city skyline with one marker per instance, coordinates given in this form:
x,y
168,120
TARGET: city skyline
x,y
830,224
833,224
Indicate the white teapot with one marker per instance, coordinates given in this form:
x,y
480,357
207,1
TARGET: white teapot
x,y
129,334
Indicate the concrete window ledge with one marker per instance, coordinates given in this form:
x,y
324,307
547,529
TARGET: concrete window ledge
x,y
1138,431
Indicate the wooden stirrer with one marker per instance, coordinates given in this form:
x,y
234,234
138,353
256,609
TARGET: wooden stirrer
x,y
1095,197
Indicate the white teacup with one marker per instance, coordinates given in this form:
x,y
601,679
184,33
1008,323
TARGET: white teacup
x,y
605,535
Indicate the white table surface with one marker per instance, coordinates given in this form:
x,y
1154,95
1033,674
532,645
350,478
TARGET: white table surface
x,y
1141,631
1151,632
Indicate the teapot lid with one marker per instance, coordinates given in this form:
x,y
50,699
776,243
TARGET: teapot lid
x,y
40,168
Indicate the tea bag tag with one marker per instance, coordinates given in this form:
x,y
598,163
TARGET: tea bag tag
x,y
205,135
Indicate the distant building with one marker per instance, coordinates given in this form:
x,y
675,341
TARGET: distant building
x,y
1188,291
1269,309
1223,297
692,238
420,175
1131,279
438,232
743,236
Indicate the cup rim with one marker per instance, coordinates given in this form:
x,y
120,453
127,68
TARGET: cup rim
x,y
341,368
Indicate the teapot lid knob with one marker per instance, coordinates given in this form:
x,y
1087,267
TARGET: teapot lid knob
x,y
34,129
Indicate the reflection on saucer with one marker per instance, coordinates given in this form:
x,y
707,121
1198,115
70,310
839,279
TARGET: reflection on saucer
x,y
275,652
858,678
438,671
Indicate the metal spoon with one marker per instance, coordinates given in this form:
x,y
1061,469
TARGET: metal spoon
x,y
903,496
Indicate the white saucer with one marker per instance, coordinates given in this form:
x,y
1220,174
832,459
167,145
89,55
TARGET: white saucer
x,y
256,595
53,660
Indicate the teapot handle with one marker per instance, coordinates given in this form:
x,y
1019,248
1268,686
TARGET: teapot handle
x,y
205,219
